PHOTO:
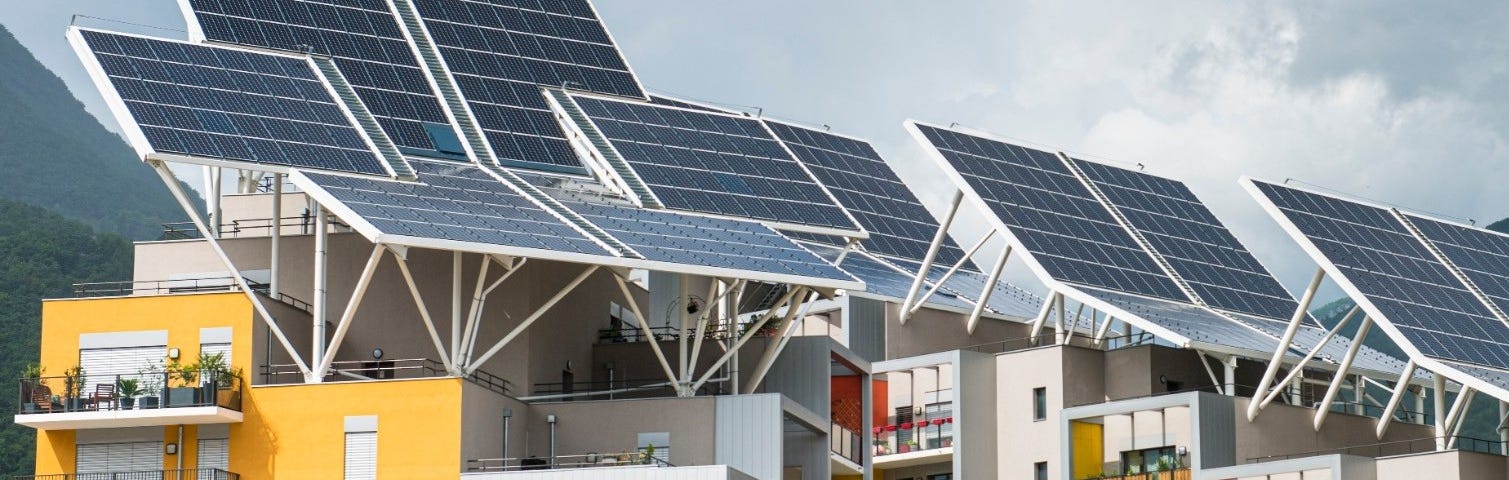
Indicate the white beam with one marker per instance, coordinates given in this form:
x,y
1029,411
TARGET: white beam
x,y
1042,316
754,328
1439,408
1341,372
1300,367
990,287
794,316
1394,399
917,304
456,306
539,312
1229,374
217,214
707,311
1283,344
188,208
273,285
470,345
471,313
932,253
1100,335
1454,419
350,312
321,287
644,329
1068,330
424,314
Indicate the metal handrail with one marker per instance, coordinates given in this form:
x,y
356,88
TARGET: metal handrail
x,y
1047,338
1397,447
180,474
639,457
845,443
407,368
154,287
632,334
158,389
248,226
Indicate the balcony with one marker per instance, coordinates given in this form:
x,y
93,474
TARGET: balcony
x,y
196,474
1170,474
146,399
914,443
366,370
845,446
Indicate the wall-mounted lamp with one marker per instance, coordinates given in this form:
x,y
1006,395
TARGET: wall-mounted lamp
x,y
550,419
173,353
377,354
170,449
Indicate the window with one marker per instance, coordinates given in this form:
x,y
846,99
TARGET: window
x,y
361,448
1148,460
1040,403
1040,469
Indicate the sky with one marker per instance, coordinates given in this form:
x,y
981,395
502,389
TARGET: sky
x,y
1400,102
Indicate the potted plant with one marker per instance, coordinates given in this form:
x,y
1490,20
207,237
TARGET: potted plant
x,y
31,379
128,389
73,388
649,453
152,376
186,378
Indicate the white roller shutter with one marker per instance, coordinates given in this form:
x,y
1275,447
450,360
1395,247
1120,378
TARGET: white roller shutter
x,y
361,456
214,453
224,349
119,457
102,365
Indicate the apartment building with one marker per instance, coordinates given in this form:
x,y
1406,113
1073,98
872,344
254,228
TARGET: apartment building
x,y
464,241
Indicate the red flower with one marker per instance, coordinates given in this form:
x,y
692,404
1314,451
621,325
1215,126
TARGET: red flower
x,y
906,426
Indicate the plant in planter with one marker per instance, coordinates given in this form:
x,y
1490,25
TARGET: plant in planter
x,y
182,384
128,389
31,380
73,388
153,376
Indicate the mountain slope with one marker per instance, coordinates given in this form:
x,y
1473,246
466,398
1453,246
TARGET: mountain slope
x,y
54,154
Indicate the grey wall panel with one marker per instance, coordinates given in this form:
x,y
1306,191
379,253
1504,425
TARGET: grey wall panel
x,y
1217,437
975,455
802,373
865,322
809,452
748,434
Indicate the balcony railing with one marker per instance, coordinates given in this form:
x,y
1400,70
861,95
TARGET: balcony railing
x,y
193,474
631,334
409,368
243,228
154,287
141,391
1171,474
1400,447
922,435
641,457
846,444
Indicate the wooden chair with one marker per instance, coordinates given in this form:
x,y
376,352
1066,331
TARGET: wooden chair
x,y
41,396
103,393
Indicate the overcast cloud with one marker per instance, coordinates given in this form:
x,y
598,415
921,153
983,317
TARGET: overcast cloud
x,y
1397,101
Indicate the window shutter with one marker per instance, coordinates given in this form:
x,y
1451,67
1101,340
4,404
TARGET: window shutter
x,y
361,456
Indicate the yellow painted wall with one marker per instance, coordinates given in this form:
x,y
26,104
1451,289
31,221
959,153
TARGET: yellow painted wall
x,y
1089,446
181,315
298,431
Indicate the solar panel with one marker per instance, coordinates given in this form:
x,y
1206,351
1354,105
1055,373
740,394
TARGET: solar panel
x,y
1054,215
688,239
1309,335
1384,262
1190,321
1005,299
713,163
899,225
459,203
367,45
1193,241
1481,255
231,104
500,53
884,280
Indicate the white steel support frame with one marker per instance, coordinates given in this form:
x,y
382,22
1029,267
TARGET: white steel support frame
x,y
424,314
474,321
792,324
1294,373
644,329
1100,334
216,212
1283,345
1205,359
471,314
188,207
1066,332
1042,316
932,253
917,304
753,329
707,312
990,287
472,366
274,286
1229,374
1455,416
682,299
456,305
321,301
1395,398
348,314
1438,384
1341,373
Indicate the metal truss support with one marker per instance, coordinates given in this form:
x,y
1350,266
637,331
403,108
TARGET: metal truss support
x,y
188,208
1438,404
1456,417
684,299
1395,397
456,306
707,313
1205,362
1299,368
217,214
1100,334
1066,331
424,314
644,329
990,288
754,328
538,312
1283,345
1503,427
321,307
793,323
274,285
349,314
917,304
932,253
479,304
471,313
1341,373
1042,316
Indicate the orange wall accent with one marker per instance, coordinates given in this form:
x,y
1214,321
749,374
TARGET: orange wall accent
x,y
848,387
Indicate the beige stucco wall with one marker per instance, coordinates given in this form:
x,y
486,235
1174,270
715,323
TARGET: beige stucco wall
x,y
932,331
614,426
1450,464
1282,429
1024,441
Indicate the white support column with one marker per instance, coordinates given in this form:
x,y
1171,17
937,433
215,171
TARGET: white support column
x,y
1229,374
471,313
683,371
1100,335
1360,394
349,314
707,314
188,208
1042,316
1454,419
1394,399
456,306
321,281
990,287
1299,368
539,312
932,253
1341,373
1283,345
1438,410
470,345
424,314
644,329
754,328
1068,330
794,316
273,284
216,213
917,304
1503,432
1058,326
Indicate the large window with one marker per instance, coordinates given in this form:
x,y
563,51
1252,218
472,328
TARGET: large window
x,y
1040,469
1040,403
1148,460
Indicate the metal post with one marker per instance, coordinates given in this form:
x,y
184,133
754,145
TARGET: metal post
x,y
1503,432
932,253
215,212
1283,345
1229,374
682,303
321,295
917,304
1341,373
456,307
551,419
990,284
507,415
1393,401
277,235
1438,404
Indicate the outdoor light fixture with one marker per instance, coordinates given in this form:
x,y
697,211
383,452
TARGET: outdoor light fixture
x,y
173,353
551,420
377,354
170,449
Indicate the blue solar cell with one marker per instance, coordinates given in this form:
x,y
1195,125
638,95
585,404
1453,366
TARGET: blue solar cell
x,y
1195,243
456,202
1055,216
899,225
1481,255
884,280
502,52
714,163
231,104
1193,322
365,41
1391,267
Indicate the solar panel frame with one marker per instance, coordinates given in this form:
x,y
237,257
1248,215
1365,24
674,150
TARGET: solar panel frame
x,y
885,281
265,111
1183,323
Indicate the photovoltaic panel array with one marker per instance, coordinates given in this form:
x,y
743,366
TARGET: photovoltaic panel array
x,y
666,236
899,225
884,280
1005,299
501,52
231,104
457,203
1190,321
367,45
1193,241
1481,255
1054,215
713,163
1413,291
